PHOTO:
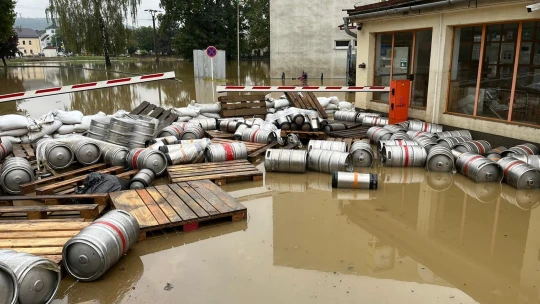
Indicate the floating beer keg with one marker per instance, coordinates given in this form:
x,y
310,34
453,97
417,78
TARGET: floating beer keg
x,y
327,161
9,285
226,152
339,146
58,154
376,134
518,174
284,123
404,156
425,142
397,142
86,152
115,156
526,149
533,160
314,122
144,178
89,254
439,181
147,159
228,125
455,133
354,180
193,132
345,116
258,136
483,192
15,171
38,277
370,121
362,154
417,125
414,134
451,142
279,160
6,148
474,146
206,124
440,159
478,168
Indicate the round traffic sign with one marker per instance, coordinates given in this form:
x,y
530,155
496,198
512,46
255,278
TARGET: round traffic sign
x,y
211,51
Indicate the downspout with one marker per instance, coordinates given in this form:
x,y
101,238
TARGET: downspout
x,y
346,27
437,78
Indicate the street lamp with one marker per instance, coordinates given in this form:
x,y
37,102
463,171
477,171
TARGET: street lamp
x,y
238,3
153,13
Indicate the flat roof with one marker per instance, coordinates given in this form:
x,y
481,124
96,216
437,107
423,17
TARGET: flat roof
x,y
381,6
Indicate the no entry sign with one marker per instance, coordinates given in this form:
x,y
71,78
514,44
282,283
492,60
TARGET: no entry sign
x,y
211,51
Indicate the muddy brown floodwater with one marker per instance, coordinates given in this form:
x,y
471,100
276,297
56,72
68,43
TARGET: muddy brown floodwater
x,y
419,238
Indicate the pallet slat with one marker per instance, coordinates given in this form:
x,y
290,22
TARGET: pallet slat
x,y
222,171
242,105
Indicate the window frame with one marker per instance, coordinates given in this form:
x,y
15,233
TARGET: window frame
x,y
341,47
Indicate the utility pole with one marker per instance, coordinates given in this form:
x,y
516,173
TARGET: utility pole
x,y
238,2
153,13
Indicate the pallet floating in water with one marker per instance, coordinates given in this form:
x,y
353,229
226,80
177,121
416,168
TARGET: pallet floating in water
x,y
182,204
220,173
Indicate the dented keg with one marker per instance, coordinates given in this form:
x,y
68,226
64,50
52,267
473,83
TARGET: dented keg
x,y
38,277
440,159
404,156
86,152
417,125
397,142
279,160
371,121
518,174
9,285
339,146
14,172
362,154
354,180
455,133
334,127
58,155
439,181
451,142
147,159
376,134
526,149
226,152
474,146
115,156
258,136
478,168
533,160
425,142
206,124
89,254
171,130
328,161
192,132
284,123
345,116
239,130
143,179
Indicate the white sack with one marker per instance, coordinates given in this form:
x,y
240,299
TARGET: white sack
x,y
192,112
66,129
268,97
46,129
69,117
334,100
13,122
205,108
281,103
11,139
119,114
270,104
211,115
17,132
324,101
183,119
331,106
85,122
344,105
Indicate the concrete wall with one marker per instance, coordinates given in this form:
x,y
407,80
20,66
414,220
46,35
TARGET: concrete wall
x,y
442,23
302,34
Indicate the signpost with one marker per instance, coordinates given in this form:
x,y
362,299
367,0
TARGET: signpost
x,y
211,52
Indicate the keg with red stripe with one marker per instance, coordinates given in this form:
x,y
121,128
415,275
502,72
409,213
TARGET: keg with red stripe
x,y
518,174
376,134
417,125
474,146
414,134
345,116
478,168
451,142
533,160
89,254
394,128
226,152
371,121
525,149
258,136
395,142
362,115
400,136
171,130
193,132
455,133
403,156
229,126
5,149
184,154
327,161
426,142
154,160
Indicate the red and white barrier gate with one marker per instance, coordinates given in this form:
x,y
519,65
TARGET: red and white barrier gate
x,y
268,89
86,86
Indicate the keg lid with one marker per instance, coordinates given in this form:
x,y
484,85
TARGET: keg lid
x,y
188,135
8,284
13,178
136,185
82,260
88,153
119,158
59,157
39,285
440,163
155,161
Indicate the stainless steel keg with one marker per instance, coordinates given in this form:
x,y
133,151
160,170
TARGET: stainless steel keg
x,y
226,152
354,180
144,178
327,161
279,160
440,159
362,154
14,172
327,145
478,168
518,174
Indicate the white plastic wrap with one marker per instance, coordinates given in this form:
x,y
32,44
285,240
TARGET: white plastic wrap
x,y
334,100
46,129
192,112
69,117
14,122
11,139
85,122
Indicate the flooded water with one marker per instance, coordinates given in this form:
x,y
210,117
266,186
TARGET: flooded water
x,y
419,238
166,93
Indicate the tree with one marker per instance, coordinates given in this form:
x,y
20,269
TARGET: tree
x,y
144,37
9,47
258,18
97,26
7,19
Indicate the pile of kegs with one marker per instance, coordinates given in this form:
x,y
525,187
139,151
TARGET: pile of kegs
x,y
131,131
99,128
14,172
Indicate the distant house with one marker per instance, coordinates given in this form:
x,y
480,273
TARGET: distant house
x,y
29,43
46,35
49,51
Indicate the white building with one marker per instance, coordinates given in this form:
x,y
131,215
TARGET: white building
x,y
49,51
305,36
46,36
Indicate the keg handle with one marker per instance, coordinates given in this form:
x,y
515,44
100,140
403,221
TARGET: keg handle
x,y
489,175
530,182
268,153
389,154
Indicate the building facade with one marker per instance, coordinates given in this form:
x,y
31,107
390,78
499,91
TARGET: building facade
x,y
305,36
29,43
474,66
46,36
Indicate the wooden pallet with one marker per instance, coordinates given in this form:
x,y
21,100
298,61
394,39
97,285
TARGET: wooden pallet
x,y
218,134
304,134
357,133
220,173
306,100
184,204
166,117
98,199
39,237
25,151
35,212
243,106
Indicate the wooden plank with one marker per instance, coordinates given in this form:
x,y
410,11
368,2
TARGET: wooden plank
x,y
199,199
213,172
227,163
243,112
182,211
131,202
38,234
160,217
49,189
236,98
223,195
213,168
139,108
42,226
34,242
210,197
56,199
29,150
156,112
55,258
40,250
47,208
164,205
148,109
58,220
193,205
213,177
243,105
263,150
317,105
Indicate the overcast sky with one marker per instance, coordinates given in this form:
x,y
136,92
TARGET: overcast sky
x,y
36,9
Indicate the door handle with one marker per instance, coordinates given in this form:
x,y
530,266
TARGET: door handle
x,y
392,106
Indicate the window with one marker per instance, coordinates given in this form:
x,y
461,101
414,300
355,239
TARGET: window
x,y
497,92
400,54
25,51
24,42
29,42
341,44
52,31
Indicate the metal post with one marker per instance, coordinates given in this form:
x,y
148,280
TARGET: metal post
x,y
153,13
238,38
